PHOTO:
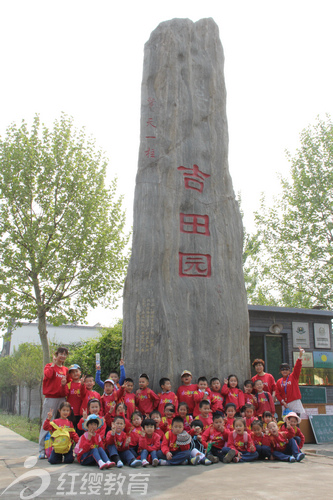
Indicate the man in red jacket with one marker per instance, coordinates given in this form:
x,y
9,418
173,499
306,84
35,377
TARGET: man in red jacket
x,y
55,377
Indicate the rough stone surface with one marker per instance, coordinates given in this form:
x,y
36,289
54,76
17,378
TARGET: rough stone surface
x,y
173,320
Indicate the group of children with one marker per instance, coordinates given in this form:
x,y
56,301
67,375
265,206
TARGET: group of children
x,y
202,423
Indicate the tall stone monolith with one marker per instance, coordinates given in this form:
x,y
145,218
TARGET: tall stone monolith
x,y
184,299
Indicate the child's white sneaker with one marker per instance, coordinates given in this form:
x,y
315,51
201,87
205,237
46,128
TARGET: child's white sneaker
x,y
120,464
145,463
155,462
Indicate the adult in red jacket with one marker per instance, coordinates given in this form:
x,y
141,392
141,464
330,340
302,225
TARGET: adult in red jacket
x,y
287,390
55,377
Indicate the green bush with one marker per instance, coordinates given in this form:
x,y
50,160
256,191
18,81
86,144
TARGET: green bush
x,y
109,347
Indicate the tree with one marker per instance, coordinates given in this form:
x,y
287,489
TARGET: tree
x,y
62,246
294,260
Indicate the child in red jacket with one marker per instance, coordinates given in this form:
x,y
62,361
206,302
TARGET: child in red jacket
x,y
202,393
117,445
64,419
145,399
75,391
126,395
166,396
232,392
294,421
240,447
215,438
89,449
264,399
94,408
260,440
173,452
186,390
283,446
149,443
216,396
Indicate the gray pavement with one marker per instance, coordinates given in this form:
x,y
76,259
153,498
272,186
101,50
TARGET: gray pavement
x,y
23,476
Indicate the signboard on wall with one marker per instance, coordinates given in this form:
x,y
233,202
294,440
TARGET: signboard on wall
x,y
307,359
322,336
301,337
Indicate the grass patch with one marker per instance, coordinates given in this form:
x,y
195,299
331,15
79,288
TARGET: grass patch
x,y
29,429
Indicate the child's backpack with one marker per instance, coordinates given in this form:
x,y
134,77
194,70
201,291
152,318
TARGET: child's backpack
x,y
61,439
48,445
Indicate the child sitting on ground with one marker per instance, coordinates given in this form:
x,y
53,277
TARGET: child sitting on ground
x,y
283,446
215,438
248,415
266,418
136,431
174,451
64,421
261,440
149,443
117,445
156,416
89,449
94,408
197,448
240,447
294,421
166,422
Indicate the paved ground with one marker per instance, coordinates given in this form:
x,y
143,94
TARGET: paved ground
x,y
23,476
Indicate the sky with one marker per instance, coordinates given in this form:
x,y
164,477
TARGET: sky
x,y
85,58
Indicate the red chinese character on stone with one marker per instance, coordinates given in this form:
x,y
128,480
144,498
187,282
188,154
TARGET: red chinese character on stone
x,y
194,264
150,122
151,102
194,178
194,224
150,153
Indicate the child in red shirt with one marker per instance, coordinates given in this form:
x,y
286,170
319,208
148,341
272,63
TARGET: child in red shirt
x,y
248,415
248,396
94,408
215,438
216,396
145,399
265,400
283,446
117,445
240,445
136,431
90,448
202,393
75,391
166,421
126,395
149,443
65,419
186,390
109,399
232,392
183,412
173,453
156,416
230,412
166,396
205,414
294,421
89,382
260,440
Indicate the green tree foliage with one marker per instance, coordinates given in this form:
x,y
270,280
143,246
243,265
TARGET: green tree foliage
x,y
62,247
292,258
109,347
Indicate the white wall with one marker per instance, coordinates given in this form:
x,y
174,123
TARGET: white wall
x,y
60,335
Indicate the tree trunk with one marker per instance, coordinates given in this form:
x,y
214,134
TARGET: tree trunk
x,y
19,399
29,401
43,336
